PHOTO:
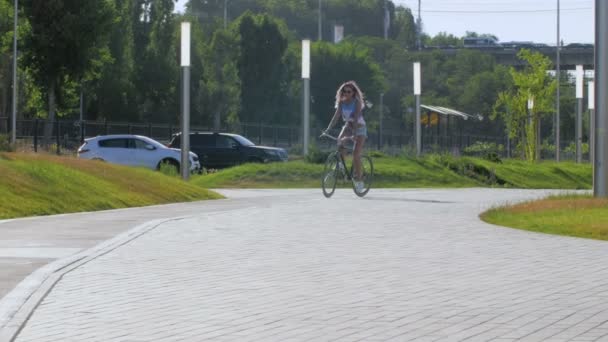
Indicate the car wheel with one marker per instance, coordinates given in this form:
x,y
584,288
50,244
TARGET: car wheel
x,y
168,166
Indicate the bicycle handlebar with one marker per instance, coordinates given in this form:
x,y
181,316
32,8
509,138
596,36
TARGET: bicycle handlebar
x,y
324,134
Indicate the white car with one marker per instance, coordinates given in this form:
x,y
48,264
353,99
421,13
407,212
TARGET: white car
x,y
134,150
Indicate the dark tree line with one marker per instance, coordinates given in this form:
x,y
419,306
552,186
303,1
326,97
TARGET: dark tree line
x,y
123,55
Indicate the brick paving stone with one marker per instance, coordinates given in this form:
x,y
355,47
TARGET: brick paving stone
x,y
397,265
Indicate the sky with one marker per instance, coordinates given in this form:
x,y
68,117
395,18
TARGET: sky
x,y
509,20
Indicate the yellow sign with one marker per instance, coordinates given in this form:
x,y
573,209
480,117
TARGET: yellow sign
x,y
424,120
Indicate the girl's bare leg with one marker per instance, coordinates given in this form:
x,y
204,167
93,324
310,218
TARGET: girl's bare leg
x,y
346,132
360,141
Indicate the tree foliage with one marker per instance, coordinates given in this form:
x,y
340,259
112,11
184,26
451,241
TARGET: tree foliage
x,y
443,39
6,38
124,53
67,43
114,95
332,65
260,67
512,105
221,88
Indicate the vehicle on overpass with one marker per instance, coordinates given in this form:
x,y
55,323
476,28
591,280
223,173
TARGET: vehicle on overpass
x,y
480,42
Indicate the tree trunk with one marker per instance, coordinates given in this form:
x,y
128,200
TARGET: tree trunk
x,y
48,126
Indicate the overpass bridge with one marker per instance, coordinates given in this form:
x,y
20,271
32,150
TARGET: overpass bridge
x,y
569,57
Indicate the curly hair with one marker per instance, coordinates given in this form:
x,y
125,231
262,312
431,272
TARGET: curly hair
x,y
359,96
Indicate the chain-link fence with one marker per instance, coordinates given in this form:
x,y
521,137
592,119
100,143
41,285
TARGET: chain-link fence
x,y
64,137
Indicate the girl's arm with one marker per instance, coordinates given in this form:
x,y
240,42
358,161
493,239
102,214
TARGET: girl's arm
x,y
334,118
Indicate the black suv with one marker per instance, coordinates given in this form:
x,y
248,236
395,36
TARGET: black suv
x,y
218,150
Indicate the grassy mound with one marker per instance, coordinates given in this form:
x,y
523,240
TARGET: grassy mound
x,y
388,173
572,215
41,185
522,174
401,172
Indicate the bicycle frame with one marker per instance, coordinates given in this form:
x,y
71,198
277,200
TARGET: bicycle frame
x,y
339,152
361,187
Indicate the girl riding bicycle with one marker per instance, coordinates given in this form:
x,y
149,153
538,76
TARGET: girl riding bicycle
x,y
349,104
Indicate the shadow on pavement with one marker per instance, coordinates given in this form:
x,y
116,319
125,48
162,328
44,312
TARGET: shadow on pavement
x,y
395,199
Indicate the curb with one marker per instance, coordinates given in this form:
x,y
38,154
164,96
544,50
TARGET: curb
x,y
18,305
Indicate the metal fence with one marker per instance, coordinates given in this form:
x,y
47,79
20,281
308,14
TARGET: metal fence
x,y
66,135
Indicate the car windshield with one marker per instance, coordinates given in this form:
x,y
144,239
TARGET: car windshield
x,y
243,141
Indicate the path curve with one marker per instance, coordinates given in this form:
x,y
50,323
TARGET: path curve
x,y
398,265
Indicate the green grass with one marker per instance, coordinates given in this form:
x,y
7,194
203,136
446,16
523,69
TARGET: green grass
x,y
388,173
401,172
579,216
43,185
543,175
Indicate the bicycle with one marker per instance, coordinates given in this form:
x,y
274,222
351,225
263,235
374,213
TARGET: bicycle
x,y
335,164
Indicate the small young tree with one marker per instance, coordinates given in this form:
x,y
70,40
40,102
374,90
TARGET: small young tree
x,y
533,83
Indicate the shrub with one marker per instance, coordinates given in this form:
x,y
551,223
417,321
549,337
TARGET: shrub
x,y
168,170
408,151
295,150
572,148
470,169
5,143
547,147
315,155
377,154
486,150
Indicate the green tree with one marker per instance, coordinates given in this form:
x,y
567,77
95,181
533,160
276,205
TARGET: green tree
x,y
332,65
113,96
221,89
6,36
443,39
261,67
67,43
531,83
359,17
157,69
404,27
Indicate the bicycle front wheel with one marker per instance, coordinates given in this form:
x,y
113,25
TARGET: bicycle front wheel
x,y
364,183
330,175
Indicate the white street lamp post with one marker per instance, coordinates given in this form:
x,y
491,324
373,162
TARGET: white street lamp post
x,y
558,70
417,93
530,122
185,138
380,129
591,106
600,170
579,113
14,118
306,95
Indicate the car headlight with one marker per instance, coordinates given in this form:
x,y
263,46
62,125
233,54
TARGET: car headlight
x,y
272,153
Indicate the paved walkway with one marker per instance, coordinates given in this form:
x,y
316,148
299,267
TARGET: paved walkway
x,y
35,244
398,265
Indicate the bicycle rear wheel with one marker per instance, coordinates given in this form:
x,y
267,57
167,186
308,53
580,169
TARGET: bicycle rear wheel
x,y
330,175
367,176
